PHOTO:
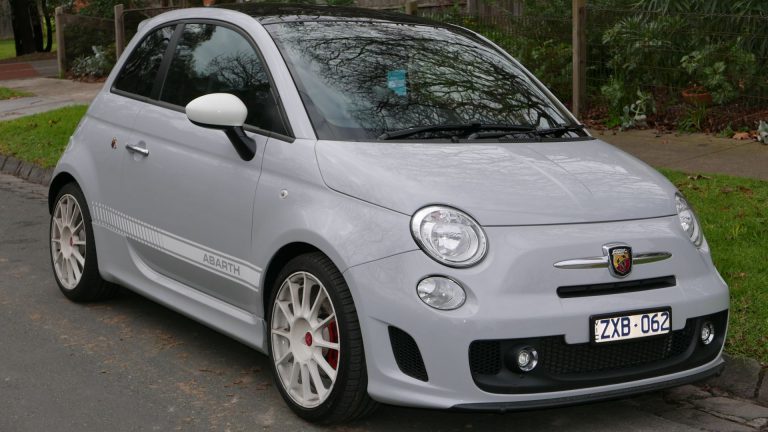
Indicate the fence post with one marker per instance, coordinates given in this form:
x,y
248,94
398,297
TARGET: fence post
x,y
119,30
61,59
579,56
472,8
411,6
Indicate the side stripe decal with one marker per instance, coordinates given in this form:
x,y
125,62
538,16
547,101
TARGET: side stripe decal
x,y
196,254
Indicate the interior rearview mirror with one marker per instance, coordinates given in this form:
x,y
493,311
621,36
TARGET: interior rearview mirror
x,y
226,112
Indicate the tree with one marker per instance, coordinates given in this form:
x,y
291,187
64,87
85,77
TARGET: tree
x,y
23,32
28,28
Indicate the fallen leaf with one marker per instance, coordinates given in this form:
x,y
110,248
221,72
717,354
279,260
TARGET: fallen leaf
x,y
726,190
262,386
699,177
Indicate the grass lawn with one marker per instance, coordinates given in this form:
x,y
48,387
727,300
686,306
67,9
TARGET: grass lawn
x,y
7,48
40,138
733,212
6,93
8,52
734,215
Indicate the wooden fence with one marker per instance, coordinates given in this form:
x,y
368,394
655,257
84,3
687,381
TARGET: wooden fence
x,y
471,7
76,34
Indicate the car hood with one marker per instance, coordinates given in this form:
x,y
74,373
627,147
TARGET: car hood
x,y
500,183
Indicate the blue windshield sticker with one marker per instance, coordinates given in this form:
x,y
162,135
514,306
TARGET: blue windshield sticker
x,y
396,82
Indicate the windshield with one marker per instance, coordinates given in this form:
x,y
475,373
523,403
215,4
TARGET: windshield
x,y
361,80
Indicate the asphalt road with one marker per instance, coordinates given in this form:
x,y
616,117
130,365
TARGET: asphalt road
x,y
130,364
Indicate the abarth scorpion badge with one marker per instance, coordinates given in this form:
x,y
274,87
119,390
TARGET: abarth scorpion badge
x,y
619,259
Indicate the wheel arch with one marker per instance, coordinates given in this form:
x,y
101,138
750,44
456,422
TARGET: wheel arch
x,y
278,261
63,178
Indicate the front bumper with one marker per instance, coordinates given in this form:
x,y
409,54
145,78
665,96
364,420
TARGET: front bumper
x,y
512,294
587,398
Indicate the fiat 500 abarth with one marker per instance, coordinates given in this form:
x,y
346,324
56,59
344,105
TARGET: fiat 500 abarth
x,y
393,210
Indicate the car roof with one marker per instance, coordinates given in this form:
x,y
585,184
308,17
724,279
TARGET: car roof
x,y
271,13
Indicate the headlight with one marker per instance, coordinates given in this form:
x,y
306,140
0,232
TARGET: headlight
x,y
688,220
449,236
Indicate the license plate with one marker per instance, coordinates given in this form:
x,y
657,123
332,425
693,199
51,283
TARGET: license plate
x,y
615,327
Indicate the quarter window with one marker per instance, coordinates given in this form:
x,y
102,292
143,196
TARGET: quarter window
x,y
140,70
215,59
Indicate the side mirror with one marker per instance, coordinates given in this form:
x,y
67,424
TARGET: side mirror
x,y
226,112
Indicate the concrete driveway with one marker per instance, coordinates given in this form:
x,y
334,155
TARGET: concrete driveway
x,y
48,94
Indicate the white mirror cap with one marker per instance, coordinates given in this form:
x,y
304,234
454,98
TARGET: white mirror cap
x,y
217,109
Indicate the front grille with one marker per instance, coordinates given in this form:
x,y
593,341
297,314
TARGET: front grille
x,y
563,366
407,354
616,287
559,358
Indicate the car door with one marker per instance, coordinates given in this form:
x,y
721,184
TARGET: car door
x,y
188,195
110,123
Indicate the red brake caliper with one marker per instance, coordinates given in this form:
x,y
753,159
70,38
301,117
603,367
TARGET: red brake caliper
x,y
332,356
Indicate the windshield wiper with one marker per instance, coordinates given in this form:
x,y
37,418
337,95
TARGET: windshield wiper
x,y
539,133
463,128
560,130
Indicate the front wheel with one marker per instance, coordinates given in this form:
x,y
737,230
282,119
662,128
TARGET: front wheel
x,y
316,346
73,250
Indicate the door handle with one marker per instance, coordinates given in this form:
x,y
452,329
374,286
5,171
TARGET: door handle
x,y
136,149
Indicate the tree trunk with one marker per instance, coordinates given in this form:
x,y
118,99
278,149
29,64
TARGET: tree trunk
x,y
23,34
43,7
37,25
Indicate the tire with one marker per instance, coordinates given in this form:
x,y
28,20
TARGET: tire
x,y
325,331
74,262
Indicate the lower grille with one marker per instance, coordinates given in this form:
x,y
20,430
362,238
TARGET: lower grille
x,y
407,354
562,366
558,357
485,357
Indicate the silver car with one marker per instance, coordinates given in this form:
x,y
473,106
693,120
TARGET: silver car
x,y
393,210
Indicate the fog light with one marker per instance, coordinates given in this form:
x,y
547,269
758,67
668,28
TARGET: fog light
x,y
707,332
441,293
527,359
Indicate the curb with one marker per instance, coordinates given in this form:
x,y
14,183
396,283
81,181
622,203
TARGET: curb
x,y
742,377
25,170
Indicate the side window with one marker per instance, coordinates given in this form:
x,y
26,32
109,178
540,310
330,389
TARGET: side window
x,y
139,72
215,59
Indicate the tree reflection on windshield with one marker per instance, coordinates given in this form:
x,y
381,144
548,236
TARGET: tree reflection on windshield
x,y
359,79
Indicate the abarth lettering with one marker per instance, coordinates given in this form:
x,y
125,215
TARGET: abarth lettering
x,y
221,264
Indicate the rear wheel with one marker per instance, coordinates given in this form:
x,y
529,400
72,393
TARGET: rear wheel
x,y
315,343
73,252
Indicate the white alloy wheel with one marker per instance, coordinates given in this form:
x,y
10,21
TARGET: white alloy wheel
x,y
68,241
305,339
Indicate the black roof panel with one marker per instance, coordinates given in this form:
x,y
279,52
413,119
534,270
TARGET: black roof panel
x,y
270,13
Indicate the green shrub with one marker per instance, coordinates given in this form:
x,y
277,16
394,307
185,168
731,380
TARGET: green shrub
x,y
640,48
79,39
96,65
725,71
